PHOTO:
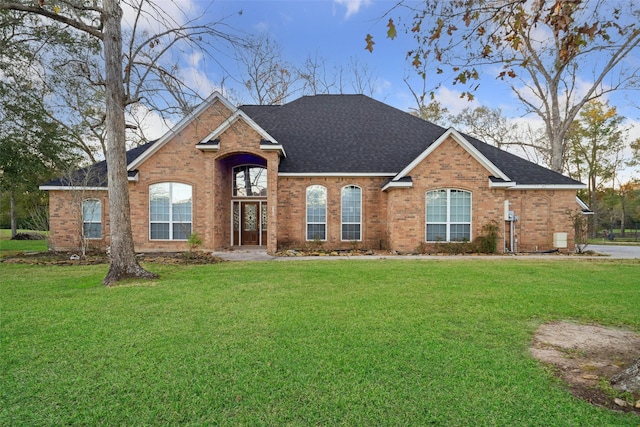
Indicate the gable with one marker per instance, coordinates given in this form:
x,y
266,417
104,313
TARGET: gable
x,y
504,170
211,142
209,114
452,134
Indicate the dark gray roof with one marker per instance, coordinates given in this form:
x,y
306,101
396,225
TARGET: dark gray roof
x,y
357,134
349,134
96,174
344,133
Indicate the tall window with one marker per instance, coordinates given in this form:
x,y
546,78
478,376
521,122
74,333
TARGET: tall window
x,y
92,219
249,181
316,212
169,211
448,215
351,213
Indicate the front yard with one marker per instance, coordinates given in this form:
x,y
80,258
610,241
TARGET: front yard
x,y
375,342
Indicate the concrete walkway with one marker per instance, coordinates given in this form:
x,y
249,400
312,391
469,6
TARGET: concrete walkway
x,y
258,254
616,251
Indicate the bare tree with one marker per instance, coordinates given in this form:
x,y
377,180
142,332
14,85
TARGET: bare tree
x,y
128,79
316,78
556,55
268,77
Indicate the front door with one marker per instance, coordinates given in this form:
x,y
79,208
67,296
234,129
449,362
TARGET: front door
x,y
250,223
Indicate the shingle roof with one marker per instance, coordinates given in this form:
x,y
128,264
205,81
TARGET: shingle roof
x,y
96,174
357,134
325,134
344,133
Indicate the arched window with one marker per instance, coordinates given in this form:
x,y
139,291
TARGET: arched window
x,y
351,220
316,212
169,211
92,219
448,215
249,181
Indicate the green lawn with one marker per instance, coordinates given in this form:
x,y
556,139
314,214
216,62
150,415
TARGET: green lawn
x,y
357,343
11,247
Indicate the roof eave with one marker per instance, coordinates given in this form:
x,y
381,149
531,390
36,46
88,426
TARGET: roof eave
x,y
397,184
548,187
70,188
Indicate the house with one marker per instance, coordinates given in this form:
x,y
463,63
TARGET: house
x,y
337,170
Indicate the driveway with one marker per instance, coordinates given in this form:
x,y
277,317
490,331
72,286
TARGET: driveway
x,y
616,251
260,254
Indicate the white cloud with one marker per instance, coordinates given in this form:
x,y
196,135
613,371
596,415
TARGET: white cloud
x,y
451,99
150,124
353,6
156,17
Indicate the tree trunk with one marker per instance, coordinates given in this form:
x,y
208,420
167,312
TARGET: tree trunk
x,y
123,258
12,214
629,379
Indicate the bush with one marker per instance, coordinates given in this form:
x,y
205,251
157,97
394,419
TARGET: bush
x,y
488,243
29,236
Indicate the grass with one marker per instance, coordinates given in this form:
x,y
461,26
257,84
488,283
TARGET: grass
x,y
387,342
10,247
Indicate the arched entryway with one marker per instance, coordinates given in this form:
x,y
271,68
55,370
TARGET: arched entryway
x,y
249,205
249,201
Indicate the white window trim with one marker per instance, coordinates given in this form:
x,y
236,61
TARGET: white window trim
x,y
92,222
347,223
448,223
306,217
171,221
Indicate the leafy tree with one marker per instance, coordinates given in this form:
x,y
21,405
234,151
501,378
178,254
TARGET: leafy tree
x,y
543,48
33,148
432,111
128,77
596,142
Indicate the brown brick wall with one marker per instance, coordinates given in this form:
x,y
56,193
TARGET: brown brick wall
x,y
393,219
65,219
292,211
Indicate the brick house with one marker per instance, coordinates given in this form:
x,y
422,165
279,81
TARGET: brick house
x,y
335,169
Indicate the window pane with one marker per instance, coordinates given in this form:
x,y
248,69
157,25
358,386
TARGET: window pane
x,y
159,202
436,232
249,181
316,232
351,209
181,211
160,231
263,217
460,232
181,231
460,206
350,231
91,211
92,230
316,203
437,206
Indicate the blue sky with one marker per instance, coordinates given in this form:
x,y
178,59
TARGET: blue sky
x,y
335,30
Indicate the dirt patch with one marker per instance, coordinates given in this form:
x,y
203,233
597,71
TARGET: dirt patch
x,y
586,357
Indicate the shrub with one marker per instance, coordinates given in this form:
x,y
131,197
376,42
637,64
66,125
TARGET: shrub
x,y
488,242
29,236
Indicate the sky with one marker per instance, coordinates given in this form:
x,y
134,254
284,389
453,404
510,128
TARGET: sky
x,y
335,30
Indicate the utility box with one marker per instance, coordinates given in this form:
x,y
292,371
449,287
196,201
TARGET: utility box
x,y
559,240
